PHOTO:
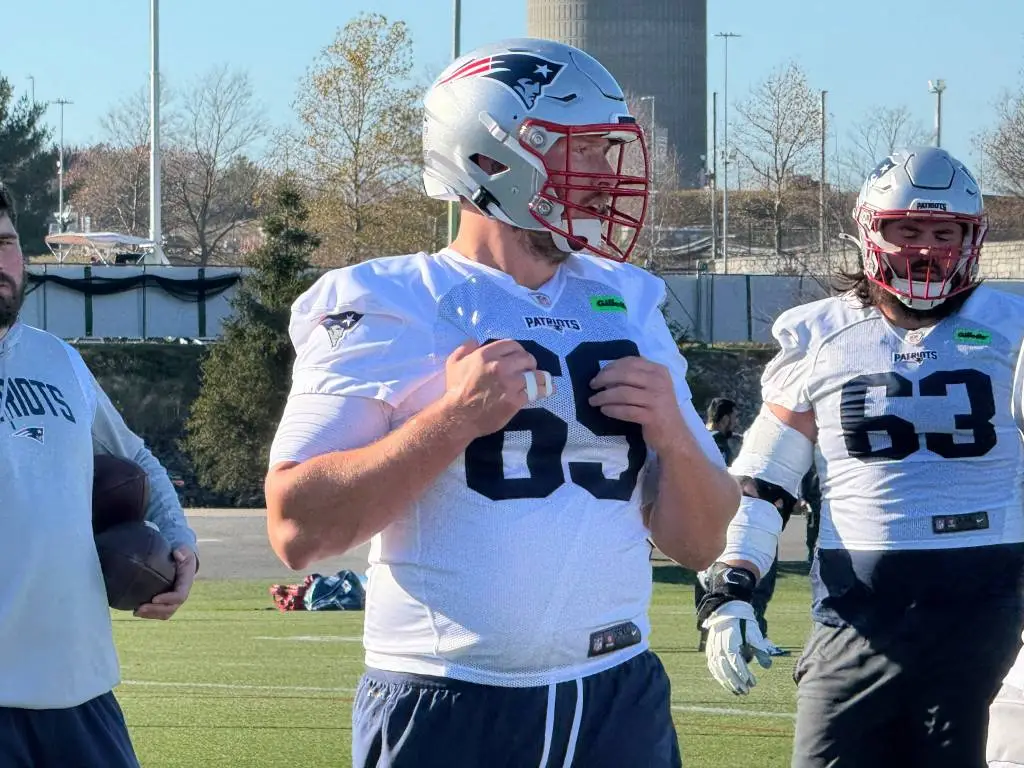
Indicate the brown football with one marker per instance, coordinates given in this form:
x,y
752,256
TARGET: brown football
x,y
137,564
120,492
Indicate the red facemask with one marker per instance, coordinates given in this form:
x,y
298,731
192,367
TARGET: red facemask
x,y
603,211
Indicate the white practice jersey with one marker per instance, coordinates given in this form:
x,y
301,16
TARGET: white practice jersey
x,y
917,447
1015,677
1017,405
533,540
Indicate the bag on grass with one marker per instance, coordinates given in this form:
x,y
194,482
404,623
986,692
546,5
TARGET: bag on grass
x,y
341,592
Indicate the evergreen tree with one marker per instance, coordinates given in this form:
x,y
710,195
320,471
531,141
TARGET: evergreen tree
x,y
28,166
246,376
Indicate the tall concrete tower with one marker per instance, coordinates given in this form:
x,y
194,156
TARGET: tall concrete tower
x,y
653,48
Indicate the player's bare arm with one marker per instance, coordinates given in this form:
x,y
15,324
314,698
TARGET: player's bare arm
x,y
695,498
331,503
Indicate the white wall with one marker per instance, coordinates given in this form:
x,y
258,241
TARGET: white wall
x,y
142,312
710,307
735,308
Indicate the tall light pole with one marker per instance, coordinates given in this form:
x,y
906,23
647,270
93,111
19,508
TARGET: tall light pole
x,y
60,165
32,79
453,207
654,179
714,176
981,165
725,127
155,234
937,87
821,184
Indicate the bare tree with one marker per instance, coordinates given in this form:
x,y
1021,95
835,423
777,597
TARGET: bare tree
x,y
126,124
361,141
779,129
210,184
285,155
110,180
663,173
877,134
110,186
663,160
1003,146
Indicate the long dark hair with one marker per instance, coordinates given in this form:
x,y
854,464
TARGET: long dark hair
x,y
854,281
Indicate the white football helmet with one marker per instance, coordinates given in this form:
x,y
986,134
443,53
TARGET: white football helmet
x,y
922,183
510,102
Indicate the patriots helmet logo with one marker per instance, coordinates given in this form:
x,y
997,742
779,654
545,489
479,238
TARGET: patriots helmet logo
x,y
525,74
32,433
881,169
339,325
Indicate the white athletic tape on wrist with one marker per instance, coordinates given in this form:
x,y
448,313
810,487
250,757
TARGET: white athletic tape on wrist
x,y
774,452
753,534
534,390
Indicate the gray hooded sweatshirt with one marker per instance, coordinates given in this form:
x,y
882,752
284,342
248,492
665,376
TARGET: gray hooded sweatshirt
x,y
56,641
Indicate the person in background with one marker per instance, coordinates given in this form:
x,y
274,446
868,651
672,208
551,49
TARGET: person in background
x,y
810,503
723,421
59,666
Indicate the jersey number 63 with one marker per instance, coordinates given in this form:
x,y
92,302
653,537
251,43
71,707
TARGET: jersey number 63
x,y
903,436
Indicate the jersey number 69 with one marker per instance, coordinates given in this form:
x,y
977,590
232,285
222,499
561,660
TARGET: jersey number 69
x,y
549,434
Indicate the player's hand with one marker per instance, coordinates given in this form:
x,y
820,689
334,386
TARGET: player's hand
x,y
636,390
734,639
164,605
490,384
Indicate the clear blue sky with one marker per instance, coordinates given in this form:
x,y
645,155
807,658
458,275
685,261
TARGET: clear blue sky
x,y
94,53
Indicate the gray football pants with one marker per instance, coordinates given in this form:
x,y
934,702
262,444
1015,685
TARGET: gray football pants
x,y
915,694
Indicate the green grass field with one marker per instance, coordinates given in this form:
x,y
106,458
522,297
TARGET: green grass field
x,y
232,682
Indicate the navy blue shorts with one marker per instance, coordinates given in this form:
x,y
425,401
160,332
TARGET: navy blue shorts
x,y
91,735
619,718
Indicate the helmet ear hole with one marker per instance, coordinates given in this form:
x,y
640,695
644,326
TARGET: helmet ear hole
x,y
488,165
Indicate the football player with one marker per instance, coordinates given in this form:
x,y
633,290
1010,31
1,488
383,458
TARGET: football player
x,y
59,665
899,390
1006,715
508,421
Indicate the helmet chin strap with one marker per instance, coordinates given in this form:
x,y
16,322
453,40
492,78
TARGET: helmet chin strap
x,y
584,231
901,284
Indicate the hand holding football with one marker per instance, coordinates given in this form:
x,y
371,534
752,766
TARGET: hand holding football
x,y
137,564
135,558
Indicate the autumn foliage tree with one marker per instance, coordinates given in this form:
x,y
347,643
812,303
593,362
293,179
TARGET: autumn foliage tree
x,y
360,144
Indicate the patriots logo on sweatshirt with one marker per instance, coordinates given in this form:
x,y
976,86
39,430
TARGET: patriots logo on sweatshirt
x,y
32,433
